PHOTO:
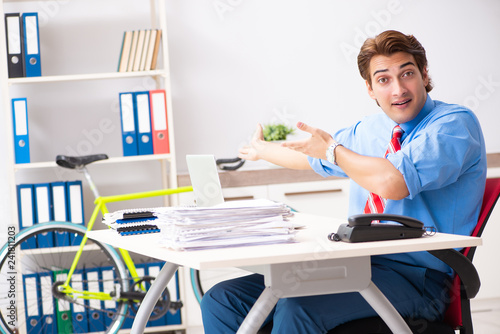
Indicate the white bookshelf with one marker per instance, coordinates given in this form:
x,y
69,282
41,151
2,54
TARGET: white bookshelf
x,y
166,175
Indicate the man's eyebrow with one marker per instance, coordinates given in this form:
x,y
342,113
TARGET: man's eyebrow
x,y
401,66
406,64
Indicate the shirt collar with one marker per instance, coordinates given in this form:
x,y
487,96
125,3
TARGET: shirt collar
x,y
409,126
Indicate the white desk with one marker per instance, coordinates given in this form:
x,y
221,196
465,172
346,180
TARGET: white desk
x,y
311,266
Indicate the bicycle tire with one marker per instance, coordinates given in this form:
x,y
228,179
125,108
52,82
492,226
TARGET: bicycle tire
x,y
196,284
15,261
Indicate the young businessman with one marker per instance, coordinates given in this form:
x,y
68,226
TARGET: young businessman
x,y
434,169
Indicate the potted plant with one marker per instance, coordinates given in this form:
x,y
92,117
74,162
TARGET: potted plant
x,y
276,132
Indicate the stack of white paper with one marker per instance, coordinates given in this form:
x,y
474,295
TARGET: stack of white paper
x,y
229,224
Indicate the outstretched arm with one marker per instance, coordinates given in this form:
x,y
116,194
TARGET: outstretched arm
x,y
272,152
377,175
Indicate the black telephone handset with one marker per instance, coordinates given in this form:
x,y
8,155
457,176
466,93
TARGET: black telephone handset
x,y
360,228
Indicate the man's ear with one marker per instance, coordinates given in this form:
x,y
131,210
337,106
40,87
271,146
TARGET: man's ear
x,y
425,76
370,90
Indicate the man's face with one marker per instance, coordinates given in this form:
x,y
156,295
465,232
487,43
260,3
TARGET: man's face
x,y
398,86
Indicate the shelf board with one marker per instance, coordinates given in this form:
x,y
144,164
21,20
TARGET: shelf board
x,y
82,77
51,164
57,249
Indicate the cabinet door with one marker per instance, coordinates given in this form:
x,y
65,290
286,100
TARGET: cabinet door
x,y
244,193
326,198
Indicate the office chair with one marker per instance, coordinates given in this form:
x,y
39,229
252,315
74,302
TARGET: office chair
x,y
464,287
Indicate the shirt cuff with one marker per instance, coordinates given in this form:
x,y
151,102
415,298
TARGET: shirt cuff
x,y
324,167
404,165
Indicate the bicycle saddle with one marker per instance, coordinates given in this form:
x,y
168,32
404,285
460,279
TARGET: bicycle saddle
x,y
78,162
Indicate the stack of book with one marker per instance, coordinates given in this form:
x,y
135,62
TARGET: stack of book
x,y
139,50
236,223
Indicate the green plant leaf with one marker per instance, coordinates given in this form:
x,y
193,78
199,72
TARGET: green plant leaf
x,y
276,131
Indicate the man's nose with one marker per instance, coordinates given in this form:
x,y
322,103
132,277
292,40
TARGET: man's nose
x,y
398,88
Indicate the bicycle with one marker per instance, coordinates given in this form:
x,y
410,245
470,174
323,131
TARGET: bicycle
x,y
126,289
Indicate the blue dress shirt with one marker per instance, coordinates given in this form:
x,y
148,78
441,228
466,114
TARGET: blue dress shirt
x,y
443,162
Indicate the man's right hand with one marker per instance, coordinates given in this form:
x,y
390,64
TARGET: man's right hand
x,y
257,144
272,152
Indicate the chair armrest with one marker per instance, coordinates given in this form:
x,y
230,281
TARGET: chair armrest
x,y
463,267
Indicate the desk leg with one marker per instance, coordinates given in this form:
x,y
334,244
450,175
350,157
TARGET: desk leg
x,y
152,296
259,312
385,310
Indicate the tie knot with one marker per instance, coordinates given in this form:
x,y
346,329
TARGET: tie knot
x,y
397,132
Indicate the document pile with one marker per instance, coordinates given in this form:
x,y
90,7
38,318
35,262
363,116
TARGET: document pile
x,y
131,222
230,224
236,223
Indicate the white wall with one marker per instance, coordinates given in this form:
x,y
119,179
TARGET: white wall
x,y
235,63
238,62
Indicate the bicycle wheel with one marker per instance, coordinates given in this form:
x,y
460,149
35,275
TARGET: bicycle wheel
x,y
29,278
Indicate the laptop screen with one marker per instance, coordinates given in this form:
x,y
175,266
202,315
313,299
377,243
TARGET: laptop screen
x,y
205,180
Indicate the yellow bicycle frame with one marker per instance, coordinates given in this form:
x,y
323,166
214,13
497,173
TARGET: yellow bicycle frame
x,y
100,206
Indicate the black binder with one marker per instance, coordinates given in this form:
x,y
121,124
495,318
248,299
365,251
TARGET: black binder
x,y
15,45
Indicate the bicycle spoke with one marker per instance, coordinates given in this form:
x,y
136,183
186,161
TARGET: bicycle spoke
x,y
53,265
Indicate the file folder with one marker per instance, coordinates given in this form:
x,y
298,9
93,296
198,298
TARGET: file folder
x,y
63,307
48,318
158,102
15,54
26,211
43,213
32,45
95,315
129,136
153,269
108,285
32,302
141,272
60,210
144,140
21,131
75,208
80,306
173,317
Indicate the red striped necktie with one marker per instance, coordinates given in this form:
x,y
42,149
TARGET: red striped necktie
x,y
375,203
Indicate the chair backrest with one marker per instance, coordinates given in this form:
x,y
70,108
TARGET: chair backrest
x,y
490,197
454,315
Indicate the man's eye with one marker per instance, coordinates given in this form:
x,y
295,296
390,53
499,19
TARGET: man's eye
x,y
407,74
382,80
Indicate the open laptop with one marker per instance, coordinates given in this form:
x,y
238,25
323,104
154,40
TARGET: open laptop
x,y
205,180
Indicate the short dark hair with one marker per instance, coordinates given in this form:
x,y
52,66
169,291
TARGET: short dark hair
x,y
387,43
